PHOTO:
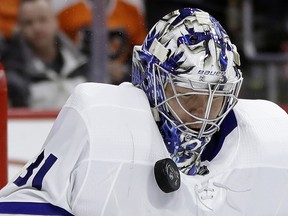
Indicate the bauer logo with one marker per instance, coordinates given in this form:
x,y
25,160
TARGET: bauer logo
x,y
212,73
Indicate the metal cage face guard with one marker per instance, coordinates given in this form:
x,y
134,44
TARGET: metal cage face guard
x,y
227,91
187,48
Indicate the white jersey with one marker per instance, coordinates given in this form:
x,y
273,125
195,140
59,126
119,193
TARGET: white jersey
x,y
99,158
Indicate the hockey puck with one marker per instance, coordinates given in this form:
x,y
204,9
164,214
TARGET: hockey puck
x,y
167,175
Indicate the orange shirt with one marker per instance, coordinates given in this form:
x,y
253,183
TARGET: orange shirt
x,y
8,16
128,17
73,18
125,15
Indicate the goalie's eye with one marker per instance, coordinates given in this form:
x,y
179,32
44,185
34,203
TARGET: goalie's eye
x,y
193,38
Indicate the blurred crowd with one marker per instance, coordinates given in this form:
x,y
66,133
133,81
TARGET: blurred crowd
x,y
45,45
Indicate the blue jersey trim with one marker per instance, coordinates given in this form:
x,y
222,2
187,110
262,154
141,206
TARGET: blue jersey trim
x,y
32,208
217,140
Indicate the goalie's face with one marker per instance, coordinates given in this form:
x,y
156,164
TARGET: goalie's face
x,y
189,107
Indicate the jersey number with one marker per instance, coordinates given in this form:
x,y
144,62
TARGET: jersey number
x,y
38,178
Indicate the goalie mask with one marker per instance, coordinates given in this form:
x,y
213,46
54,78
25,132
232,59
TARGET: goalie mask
x,y
188,57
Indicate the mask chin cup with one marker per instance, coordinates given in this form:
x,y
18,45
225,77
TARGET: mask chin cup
x,y
167,175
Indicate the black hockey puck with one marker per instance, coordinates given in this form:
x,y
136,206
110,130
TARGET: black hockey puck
x,y
167,175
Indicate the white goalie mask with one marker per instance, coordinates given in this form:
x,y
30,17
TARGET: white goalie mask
x,y
187,49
